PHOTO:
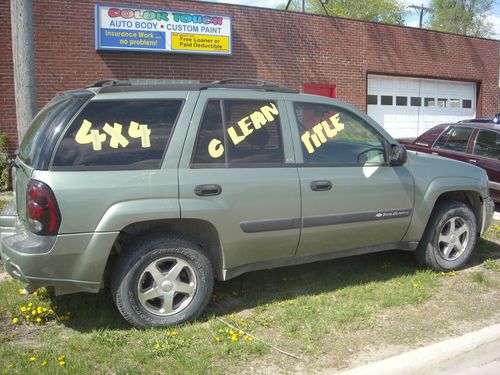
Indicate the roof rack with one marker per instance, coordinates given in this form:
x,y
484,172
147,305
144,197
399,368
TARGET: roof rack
x,y
110,82
259,84
254,80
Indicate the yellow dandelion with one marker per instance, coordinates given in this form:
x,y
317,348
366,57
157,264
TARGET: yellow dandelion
x,y
231,332
249,338
174,333
61,363
15,320
32,359
39,320
61,358
217,338
35,294
44,363
33,312
157,346
21,291
28,317
234,337
30,304
39,310
241,333
232,315
44,309
23,308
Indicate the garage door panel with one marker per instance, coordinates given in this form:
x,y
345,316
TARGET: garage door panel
x,y
412,120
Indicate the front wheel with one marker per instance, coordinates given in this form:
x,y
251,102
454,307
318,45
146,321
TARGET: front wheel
x,y
161,281
449,238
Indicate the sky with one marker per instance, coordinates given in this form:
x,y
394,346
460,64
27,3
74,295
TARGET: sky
x,y
412,19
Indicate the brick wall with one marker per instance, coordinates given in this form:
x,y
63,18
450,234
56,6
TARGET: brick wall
x,y
288,48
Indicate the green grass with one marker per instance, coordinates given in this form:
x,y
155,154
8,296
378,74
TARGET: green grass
x,y
324,312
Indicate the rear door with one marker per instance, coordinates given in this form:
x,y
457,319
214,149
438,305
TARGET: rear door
x,y
237,173
453,143
351,197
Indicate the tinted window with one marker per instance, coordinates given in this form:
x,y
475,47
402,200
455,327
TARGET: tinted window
x,y
372,99
118,134
386,100
333,135
488,144
239,132
416,101
455,138
210,142
401,100
466,103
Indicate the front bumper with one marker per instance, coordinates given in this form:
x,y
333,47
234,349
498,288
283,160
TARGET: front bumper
x,y
488,211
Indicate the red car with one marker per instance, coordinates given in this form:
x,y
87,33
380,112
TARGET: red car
x,y
474,143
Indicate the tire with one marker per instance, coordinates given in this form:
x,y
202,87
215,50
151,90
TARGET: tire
x,y
162,280
449,238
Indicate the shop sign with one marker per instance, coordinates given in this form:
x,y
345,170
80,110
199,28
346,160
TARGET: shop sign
x,y
123,28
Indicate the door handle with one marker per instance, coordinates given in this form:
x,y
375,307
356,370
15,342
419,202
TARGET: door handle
x,y
208,190
321,185
473,161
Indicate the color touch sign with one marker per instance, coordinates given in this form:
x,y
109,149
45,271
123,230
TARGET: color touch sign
x,y
161,30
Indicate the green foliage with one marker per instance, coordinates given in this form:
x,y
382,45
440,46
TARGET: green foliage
x,y
4,169
466,17
385,11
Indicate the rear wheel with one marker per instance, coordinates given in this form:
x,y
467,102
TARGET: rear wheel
x,y
449,238
162,280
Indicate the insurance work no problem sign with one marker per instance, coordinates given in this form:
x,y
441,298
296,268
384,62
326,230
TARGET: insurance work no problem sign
x,y
160,30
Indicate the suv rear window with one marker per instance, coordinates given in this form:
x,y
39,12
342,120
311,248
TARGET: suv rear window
x,y
118,135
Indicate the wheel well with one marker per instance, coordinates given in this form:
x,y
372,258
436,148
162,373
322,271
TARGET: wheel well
x,y
470,198
199,231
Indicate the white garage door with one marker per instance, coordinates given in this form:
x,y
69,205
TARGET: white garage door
x,y
407,107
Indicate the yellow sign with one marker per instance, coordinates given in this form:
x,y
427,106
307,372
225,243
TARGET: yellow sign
x,y
200,42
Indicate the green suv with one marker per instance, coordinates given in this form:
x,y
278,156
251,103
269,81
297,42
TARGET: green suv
x,y
155,191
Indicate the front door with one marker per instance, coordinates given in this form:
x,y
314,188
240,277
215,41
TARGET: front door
x,y
351,197
233,174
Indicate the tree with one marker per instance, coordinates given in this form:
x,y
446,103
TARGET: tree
x,y
467,17
386,11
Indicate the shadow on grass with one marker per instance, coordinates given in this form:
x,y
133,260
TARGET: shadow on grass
x,y
97,311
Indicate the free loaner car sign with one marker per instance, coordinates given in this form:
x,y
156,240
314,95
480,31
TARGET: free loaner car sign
x,y
161,30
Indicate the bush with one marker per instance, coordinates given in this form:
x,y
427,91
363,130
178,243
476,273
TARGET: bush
x,y
4,165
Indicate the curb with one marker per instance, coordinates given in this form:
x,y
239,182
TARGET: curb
x,y
427,359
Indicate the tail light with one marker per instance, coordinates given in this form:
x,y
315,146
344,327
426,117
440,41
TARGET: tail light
x,y
43,213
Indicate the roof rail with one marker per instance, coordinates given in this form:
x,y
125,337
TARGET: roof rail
x,y
110,82
254,80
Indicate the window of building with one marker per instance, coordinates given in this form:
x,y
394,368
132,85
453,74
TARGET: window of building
x,y
455,103
416,101
454,138
429,102
118,134
466,103
239,132
401,100
442,102
488,144
386,100
332,135
372,99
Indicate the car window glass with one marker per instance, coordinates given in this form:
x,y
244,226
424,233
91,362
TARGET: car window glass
x,y
118,134
455,139
330,134
488,144
239,132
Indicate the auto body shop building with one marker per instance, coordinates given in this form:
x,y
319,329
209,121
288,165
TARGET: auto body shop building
x,y
407,79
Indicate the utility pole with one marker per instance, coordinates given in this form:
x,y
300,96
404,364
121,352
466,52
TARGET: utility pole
x,y
23,55
421,11
322,3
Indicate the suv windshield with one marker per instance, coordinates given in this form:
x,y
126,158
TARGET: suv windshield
x,y
38,142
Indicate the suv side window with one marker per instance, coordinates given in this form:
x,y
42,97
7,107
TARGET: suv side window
x,y
488,144
332,135
118,135
239,133
455,139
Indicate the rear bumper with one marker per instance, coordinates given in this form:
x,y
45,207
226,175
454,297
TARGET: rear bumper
x,y
73,262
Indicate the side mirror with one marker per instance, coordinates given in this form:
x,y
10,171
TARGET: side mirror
x,y
398,155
